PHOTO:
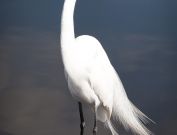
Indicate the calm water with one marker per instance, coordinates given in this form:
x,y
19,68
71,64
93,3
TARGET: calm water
x,y
139,37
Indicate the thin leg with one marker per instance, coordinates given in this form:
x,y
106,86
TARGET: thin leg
x,y
82,124
95,124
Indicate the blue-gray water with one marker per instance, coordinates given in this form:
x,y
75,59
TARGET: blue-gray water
x,y
138,35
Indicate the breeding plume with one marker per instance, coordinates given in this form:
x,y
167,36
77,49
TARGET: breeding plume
x,y
92,79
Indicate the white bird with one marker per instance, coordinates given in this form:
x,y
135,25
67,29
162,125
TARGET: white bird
x,y
92,79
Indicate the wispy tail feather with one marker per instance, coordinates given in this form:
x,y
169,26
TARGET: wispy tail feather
x,y
128,114
109,125
142,116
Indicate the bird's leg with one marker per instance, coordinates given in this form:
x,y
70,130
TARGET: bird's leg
x,y
82,124
95,124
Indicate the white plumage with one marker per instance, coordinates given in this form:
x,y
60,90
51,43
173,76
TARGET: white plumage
x,y
92,79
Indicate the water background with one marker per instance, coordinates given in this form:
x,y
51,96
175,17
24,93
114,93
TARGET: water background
x,y
139,37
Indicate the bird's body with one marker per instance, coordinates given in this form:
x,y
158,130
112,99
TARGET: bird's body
x,y
92,79
86,68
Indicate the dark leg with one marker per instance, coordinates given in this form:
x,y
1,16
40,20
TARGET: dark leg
x,y
95,124
82,124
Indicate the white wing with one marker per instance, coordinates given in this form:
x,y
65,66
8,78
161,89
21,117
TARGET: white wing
x,y
101,74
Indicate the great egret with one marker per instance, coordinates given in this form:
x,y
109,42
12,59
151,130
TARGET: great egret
x,y
92,79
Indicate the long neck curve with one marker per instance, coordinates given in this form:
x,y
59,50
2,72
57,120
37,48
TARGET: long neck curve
x,y
67,23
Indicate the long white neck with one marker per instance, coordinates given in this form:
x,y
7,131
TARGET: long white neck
x,y
67,24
